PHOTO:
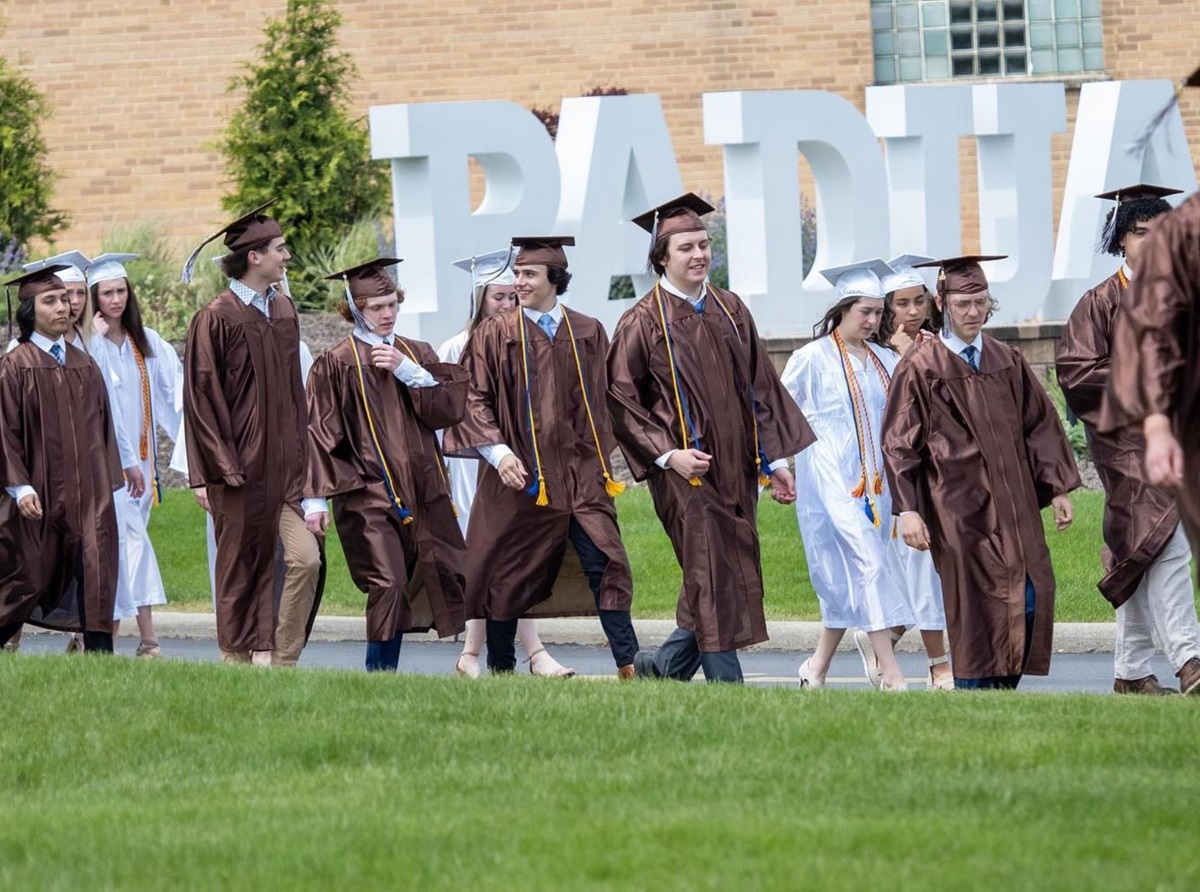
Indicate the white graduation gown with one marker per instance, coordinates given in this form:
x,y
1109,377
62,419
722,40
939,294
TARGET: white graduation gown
x,y
851,562
179,464
464,472
139,582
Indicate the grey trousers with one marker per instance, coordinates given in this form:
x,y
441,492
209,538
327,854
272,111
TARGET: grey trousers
x,y
680,657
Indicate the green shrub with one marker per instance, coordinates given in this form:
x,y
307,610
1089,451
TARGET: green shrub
x,y
1075,432
293,140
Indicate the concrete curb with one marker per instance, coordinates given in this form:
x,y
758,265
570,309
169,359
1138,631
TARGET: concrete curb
x,y
1069,638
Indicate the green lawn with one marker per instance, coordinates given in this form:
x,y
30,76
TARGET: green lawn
x,y
120,774
177,529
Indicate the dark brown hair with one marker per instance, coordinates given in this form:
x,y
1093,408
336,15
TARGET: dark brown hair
x,y
887,325
236,264
833,318
131,317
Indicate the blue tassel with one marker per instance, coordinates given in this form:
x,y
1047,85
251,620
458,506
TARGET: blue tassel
x,y
870,510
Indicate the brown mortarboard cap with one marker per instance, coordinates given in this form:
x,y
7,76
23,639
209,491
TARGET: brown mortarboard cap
x,y
30,285
248,229
680,214
961,275
369,279
1140,192
544,249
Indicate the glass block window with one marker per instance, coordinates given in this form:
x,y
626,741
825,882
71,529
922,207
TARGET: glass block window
x,y
917,40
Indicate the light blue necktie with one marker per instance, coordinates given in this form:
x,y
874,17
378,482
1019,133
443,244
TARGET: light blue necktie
x,y
57,352
546,324
971,355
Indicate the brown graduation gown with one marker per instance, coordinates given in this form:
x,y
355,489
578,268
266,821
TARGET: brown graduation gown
x,y
978,455
1156,347
344,465
58,437
712,527
1139,519
520,564
245,414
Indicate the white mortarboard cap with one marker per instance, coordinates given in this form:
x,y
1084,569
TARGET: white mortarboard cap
x,y
492,268
905,276
74,261
107,267
860,279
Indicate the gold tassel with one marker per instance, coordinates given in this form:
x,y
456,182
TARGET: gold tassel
x,y
859,491
878,484
542,498
695,481
612,487
874,512
764,481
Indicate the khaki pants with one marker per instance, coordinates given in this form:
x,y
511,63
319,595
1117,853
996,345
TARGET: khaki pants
x,y
302,559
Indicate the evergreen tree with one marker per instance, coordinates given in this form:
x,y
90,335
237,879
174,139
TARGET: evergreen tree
x,y
294,140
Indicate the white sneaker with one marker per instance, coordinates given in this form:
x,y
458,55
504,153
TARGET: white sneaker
x,y
862,641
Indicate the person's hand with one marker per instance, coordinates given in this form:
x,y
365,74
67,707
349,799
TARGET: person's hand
x,y
100,324
318,523
1164,455
689,463
202,499
914,532
783,486
30,507
902,341
135,481
512,472
235,480
1064,512
387,357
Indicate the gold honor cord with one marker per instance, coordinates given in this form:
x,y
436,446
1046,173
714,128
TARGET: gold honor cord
x,y
441,468
146,437
389,481
683,431
612,487
542,499
862,427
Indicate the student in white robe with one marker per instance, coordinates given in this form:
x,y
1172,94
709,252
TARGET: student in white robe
x,y
840,381
905,324
492,293
144,378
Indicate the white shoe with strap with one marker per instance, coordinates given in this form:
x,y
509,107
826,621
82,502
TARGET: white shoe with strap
x,y
934,683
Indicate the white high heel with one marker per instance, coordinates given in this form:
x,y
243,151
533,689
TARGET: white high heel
x,y
945,684
808,678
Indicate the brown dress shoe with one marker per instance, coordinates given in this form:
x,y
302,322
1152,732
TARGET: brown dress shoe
x,y
1147,685
627,673
1189,676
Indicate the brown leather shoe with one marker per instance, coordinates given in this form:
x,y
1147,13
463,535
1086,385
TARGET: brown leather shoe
x,y
1147,685
1189,676
627,673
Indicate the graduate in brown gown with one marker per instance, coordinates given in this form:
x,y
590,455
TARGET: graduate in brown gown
x,y
246,422
974,450
702,416
59,467
536,416
1146,556
375,402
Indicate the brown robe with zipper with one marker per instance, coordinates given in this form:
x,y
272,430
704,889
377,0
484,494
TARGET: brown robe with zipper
x,y
1156,348
1139,519
520,563
712,527
978,455
56,435
345,465
245,414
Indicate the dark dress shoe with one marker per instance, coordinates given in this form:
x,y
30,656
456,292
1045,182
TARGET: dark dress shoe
x,y
1147,685
643,664
1189,676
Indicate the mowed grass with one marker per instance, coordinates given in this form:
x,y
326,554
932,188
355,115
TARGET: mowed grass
x,y
119,774
177,530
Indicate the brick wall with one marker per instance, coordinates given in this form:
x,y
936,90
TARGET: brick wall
x,y
138,89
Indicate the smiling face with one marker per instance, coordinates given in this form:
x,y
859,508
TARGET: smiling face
x,y
688,259
381,313
910,309
533,286
52,313
270,264
498,300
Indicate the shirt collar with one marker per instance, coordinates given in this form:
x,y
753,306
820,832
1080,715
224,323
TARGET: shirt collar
x,y
1128,272
957,344
44,343
246,294
666,285
555,313
371,339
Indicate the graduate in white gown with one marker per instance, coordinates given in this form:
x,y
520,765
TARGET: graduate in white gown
x,y
492,293
144,378
180,466
840,381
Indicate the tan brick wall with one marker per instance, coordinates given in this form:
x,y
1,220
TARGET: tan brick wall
x,y
138,89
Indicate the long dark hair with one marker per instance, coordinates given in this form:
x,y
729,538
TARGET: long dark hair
x,y
131,317
833,318
887,326
25,316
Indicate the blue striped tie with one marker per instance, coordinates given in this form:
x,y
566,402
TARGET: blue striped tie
x,y
971,355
